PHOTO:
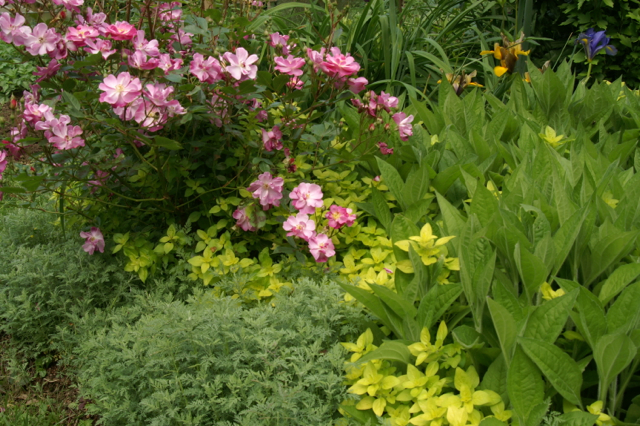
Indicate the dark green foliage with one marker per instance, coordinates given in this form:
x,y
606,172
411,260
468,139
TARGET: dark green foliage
x,y
16,72
212,362
563,21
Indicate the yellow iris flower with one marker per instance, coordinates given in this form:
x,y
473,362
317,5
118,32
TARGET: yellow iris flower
x,y
507,54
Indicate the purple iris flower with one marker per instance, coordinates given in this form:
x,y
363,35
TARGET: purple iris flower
x,y
594,42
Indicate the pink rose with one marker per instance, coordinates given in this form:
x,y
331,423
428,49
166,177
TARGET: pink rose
x,y
306,197
321,247
95,240
267,189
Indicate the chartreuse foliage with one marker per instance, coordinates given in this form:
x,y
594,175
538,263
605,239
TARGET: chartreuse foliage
x,y
540,190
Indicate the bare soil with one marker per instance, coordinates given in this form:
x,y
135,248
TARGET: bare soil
x,y
26,393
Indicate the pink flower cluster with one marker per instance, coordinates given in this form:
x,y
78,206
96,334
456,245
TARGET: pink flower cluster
x,y
280,42
150,108
58,130
306,197
338,66
94,35
373,104
268,190
95,241
340,216
239,65
272,139
320,245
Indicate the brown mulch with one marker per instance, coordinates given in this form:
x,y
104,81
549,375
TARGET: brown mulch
x,y
7,123
54,388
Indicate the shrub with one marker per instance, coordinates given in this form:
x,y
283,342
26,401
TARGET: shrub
x,y
211,362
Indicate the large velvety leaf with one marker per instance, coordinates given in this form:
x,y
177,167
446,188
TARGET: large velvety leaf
x,y
548,320
537,413
370,301
617,281
590,319
565,237
608,251
393,180
484,205
531,268
400,306
381,209
558,367
624,315
613,352
505,326
436,302
495,378
577,418
417,184
524,385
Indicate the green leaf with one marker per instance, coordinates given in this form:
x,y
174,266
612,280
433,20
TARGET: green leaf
x,y
577,418
524,385
548,320
495,378
72,100
617,281
392,350
590,319
370,301
30,183
613,352
531,268
381,209
453,221
400,306
393,180
491,421
417,185
401,229
608,251
467,337
505,326
484,205
365,417
537,414
507,299
167,143
566,236
436,303
559,368
12,190
624,314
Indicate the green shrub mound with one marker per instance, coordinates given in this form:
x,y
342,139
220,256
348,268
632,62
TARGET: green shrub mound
x,y
210,361
47,282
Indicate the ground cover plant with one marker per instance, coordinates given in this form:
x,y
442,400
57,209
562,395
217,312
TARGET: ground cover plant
x,y
488,238
211,361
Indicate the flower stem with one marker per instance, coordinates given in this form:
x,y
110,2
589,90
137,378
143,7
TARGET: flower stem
x,y
588,72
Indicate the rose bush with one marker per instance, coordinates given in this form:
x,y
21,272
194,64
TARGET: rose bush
x,y
159,116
